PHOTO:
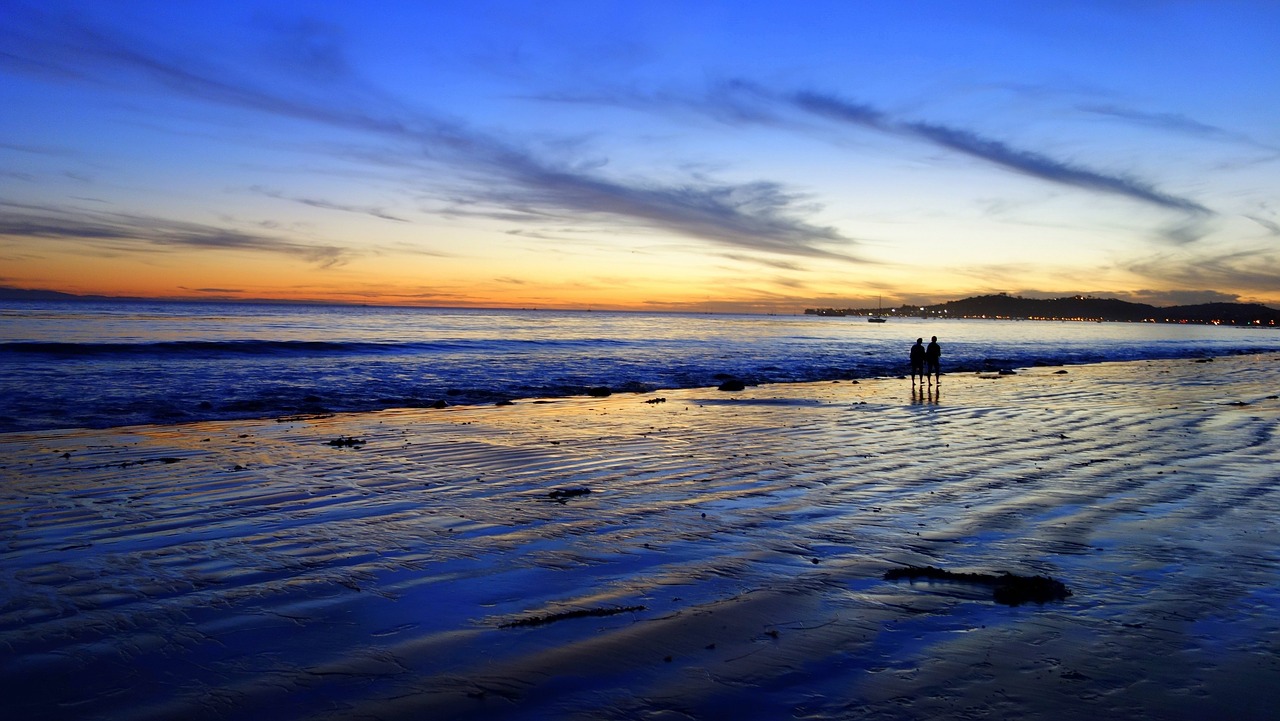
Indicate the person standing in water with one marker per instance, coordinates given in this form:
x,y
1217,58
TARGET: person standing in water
x,y
917,361
932,356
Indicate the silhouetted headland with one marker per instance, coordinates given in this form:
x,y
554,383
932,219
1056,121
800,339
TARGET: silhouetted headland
x,y
1077,307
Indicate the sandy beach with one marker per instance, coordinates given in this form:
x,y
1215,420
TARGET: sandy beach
x,y
691,554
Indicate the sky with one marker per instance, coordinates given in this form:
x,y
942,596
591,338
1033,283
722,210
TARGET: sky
x,y
723,156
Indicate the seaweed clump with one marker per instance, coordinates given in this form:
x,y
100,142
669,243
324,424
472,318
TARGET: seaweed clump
x,y
1007,588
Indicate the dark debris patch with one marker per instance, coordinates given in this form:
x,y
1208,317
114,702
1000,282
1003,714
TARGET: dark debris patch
x,y
129,464
163,459
563,494
1007,588
566,615
346,442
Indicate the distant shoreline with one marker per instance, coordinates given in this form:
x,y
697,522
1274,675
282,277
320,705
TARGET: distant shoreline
x,y
990,307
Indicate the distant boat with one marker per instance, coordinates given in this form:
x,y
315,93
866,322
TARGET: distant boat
x,y
879,316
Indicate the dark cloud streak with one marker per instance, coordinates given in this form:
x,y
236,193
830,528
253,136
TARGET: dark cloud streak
x,y
124,231
1046,168
993,151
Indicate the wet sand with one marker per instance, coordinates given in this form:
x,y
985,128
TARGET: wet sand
x,y
728,560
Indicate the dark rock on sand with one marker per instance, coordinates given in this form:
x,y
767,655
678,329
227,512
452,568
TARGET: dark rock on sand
x,y
347,442
599,392
562,494
733,384
144,461
1007,588
656,400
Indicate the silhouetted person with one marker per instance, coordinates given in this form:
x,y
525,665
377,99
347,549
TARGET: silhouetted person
x,y
932,355
917,361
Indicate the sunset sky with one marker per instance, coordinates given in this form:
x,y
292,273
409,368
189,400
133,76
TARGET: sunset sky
x,y
765,156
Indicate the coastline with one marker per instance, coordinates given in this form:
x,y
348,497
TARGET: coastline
x,y
179,364
727,560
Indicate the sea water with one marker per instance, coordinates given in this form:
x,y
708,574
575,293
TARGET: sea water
x,y
67,364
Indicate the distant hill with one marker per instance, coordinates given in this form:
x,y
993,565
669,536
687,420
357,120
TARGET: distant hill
x,y
8,293
23,294
1234,313
1083,308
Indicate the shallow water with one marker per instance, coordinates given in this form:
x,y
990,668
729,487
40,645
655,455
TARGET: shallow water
x,y
97,365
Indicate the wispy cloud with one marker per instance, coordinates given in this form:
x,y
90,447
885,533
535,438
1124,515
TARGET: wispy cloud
x,y
1254,270
1166,121
1171,122
768,262
761,216
1271,226
219,291
758,216
1188,230
327,204
37,149
119,232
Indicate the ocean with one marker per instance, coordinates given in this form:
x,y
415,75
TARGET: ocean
x,y
73,364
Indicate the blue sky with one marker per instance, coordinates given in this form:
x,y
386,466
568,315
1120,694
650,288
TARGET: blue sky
x,y
755,156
